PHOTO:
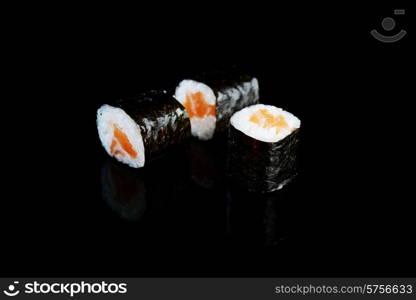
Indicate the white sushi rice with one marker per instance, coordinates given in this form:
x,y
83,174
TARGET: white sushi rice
x,y
203,128
107,117
241,121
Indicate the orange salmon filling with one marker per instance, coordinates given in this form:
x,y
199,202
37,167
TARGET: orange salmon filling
x,y
263,118
196,106
113,149
120,138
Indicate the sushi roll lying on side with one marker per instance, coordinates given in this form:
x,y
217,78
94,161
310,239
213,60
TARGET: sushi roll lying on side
x,y
262,148
138,129
211,99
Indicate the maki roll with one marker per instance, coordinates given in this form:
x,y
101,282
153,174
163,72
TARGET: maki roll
x,y
211,99
262,147
138,129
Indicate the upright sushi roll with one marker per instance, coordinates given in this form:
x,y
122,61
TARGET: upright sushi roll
x,y
138,129
211,99
262,148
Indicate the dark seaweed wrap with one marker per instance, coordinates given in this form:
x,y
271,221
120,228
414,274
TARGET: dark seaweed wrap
x,y
233,91
163,121
260,166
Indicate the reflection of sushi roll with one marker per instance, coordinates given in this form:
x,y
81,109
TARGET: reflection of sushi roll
x,y
135,130
202,163
254,219
206,162
124,190
262,147
212,99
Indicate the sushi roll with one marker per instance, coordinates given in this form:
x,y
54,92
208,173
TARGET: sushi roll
x,y
136,130
211,99
262,148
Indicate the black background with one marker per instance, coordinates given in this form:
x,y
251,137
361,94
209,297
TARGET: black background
x,y
348,213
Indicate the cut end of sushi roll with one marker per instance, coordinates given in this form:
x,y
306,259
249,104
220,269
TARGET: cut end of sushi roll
x,y
120,136
200,103
265,123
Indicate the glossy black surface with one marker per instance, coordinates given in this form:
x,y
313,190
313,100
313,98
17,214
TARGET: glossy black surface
x,y
348,213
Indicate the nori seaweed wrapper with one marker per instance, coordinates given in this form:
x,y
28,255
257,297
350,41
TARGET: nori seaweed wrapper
x,y
233,91
163,121
261,166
